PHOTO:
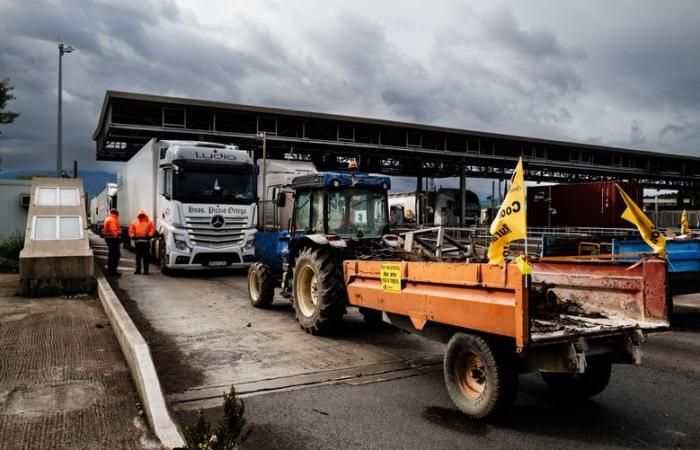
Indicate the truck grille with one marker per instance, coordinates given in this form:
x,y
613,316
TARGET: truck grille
x,y
202,233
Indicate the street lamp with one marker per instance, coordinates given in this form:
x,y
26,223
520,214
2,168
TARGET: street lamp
x,y
62,50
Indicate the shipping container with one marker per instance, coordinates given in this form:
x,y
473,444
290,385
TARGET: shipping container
x,y
580,204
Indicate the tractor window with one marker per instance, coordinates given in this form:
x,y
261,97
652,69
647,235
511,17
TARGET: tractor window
x,y
302,211
357,212
317,213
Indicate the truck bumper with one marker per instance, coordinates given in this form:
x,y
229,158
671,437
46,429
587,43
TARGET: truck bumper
x,y
207,259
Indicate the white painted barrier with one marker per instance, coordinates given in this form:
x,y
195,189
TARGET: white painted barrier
x,y
143,371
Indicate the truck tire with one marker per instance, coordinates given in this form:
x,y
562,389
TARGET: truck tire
x,y
261,285
318,290
580,386
161,258
372,317
480,375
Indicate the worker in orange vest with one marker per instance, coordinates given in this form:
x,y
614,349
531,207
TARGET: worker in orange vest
x,y
112,233
141,231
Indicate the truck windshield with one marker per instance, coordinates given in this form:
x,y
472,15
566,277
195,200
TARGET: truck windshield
x,y
357,212
213,185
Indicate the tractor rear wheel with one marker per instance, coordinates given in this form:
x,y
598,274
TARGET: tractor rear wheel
x,y
318,290
261,285
480,375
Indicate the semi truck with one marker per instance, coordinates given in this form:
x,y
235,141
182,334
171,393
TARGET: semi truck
x,y
100,206
201,197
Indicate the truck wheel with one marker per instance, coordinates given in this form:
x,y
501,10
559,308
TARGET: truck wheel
x,y
318,291
261,285
372,317
481,377
579,386
162,258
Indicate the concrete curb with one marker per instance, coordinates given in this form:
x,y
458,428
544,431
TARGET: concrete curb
x,y
143,371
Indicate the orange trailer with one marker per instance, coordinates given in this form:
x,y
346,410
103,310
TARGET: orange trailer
x,y
568,320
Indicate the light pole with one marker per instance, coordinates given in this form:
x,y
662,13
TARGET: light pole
x,y
62,50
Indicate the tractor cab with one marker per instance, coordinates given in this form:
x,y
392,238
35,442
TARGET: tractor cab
x,y
339,205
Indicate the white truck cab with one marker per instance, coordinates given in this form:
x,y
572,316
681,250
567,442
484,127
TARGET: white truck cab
x,y
201,197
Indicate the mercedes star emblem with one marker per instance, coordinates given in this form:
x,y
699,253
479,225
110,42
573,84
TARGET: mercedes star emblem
x,y
217,221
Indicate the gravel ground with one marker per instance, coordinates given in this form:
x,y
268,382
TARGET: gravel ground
x,y
63,381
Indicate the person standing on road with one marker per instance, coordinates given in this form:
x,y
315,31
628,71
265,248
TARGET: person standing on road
x,y
112,233
141,231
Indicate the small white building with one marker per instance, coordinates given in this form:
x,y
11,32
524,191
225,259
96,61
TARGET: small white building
x,y
14,204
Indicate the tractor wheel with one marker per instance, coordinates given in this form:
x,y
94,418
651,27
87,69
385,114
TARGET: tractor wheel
x,y
372,317
580,386
261,285
481,377
318,291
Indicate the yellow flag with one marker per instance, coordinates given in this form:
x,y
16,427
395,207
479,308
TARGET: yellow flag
x,y
510,222
685,226
652,236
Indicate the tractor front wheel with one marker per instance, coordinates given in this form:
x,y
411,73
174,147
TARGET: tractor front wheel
x,y
318,290
261,285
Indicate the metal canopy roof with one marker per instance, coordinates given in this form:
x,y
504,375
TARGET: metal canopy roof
x,y
129,120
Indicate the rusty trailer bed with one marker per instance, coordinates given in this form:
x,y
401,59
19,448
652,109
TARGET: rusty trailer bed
x,y
563,301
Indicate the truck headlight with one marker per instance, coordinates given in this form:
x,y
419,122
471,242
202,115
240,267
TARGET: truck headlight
x,y
249,244
181,244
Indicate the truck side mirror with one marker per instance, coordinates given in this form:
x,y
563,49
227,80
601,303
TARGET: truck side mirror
x,y
281,199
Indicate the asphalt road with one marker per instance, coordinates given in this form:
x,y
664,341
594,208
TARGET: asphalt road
x,y
384,389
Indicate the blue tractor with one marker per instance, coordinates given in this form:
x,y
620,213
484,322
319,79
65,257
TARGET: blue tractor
x,y
336,216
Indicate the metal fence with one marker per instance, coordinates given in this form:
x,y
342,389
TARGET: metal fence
x,y
672,219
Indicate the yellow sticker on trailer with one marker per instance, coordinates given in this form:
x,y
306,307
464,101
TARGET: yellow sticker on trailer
x,y
391,277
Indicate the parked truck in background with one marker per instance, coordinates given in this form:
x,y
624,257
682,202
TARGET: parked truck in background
x,y
439,208
100,206
201,197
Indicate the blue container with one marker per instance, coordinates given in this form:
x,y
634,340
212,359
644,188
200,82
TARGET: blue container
x,y
683,255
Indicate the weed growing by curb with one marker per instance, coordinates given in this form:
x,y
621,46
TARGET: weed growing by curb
x,y
226,434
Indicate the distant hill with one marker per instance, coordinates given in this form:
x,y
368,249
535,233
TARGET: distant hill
x,y
93,181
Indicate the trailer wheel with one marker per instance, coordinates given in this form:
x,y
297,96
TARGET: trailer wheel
x,y
318,291
580,386
261,285
481,377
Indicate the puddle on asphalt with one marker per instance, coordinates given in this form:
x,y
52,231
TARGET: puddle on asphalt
x,y
454,420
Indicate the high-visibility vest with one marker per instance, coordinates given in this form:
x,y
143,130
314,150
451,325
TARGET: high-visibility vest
x,y
111,228
141,229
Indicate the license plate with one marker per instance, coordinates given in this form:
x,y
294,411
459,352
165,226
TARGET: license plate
x,y
218,263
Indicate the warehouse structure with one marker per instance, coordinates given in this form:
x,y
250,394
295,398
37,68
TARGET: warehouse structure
x,y
129,120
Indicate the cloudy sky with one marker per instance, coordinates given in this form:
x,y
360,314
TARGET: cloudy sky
x,y
623,73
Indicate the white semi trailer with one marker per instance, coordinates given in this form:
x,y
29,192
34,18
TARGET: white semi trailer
x,y
201,197
100,206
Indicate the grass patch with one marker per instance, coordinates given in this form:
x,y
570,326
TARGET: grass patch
x,y
9,253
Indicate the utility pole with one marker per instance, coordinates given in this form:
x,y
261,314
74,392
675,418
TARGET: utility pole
x,y
62,50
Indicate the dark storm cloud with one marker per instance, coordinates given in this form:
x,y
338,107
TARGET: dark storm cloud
x,y
629,77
